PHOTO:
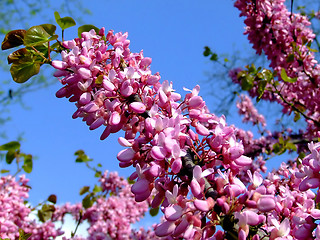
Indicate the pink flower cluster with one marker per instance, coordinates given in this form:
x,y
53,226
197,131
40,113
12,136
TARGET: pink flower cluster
x,y
310,170
109,217
189,157
283,37
249,112
15,214
12,209
114,88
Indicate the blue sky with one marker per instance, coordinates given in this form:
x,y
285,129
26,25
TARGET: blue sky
x,y
172,33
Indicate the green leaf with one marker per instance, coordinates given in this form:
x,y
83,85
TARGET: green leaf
x,y
207,51
24,69
13,39
56,16
52,198
281,140
291,146
87,28
56,45
247,82
98,174
36,35
97,189
14,145
87,201
267,75
23,235
49,28
252,69
99,80
45,213
4,171
301,155
130,181
214,57
297,116
11,154
276,148
64,22
312,50
290,58
84,190
285,77
82,157
154,211
27,163
261,88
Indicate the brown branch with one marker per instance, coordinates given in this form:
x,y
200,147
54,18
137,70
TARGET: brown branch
x,y
188,166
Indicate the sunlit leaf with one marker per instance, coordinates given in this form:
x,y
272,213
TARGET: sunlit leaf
x,y
64,22
247,82
24,69
99,80
36,35
130,181
13,39
97,189
285,77
267,75
56,16
291,146
49,28
261,88
4,171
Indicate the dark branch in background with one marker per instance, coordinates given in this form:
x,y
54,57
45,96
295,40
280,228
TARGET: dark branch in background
x,y
291,9
292,105
188,166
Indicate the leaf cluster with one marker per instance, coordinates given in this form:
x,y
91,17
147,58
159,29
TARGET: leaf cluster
x,y
26,62
283,145
258,77
12,152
